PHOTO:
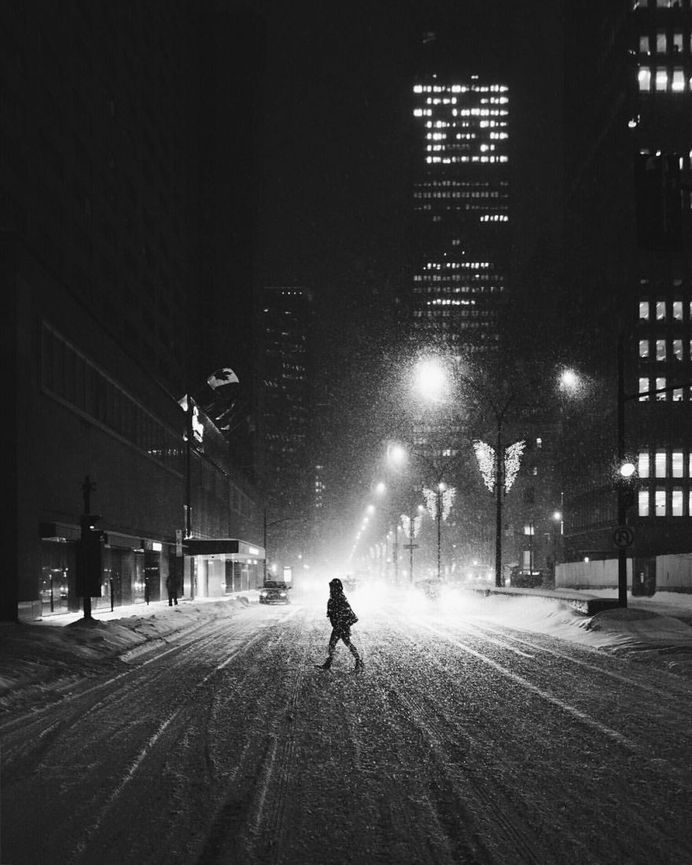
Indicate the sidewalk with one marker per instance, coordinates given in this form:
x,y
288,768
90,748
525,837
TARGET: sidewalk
x,y
140,609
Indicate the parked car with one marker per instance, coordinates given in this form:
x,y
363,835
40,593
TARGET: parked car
x,y
274,592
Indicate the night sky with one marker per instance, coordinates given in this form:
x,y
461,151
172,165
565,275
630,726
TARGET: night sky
x,y
335,161
335,151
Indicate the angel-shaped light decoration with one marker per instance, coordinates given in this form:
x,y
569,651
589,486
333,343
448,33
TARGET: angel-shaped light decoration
x,y
485,454
441,498
411,526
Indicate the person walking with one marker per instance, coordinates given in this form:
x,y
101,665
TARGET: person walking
x,y
172,589
342,618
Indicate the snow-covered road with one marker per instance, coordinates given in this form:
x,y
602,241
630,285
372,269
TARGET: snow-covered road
x,y
462,742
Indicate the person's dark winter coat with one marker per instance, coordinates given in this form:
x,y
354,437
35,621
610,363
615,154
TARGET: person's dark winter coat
x,y
342,618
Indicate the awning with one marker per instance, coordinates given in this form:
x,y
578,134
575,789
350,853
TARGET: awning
x,y
221,546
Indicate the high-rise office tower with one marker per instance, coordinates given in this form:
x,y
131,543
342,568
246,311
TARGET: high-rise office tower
x,y
286,416
461,213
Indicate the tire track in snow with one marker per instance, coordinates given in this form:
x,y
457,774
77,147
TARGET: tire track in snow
x,y
155,741
579,716
681,686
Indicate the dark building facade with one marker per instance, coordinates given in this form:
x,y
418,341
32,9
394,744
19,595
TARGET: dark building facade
x,y
631,185
103,330
293,487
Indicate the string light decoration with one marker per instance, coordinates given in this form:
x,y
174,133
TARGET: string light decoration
x,y
485,454
446,500
406,523
513,455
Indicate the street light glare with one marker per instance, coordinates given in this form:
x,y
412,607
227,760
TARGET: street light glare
x,y
397,454
627,470
569,379
431,379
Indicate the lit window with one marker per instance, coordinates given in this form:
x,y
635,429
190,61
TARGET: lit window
x,y
660,349
529,529
676,464
660,500
677,310
677,42
660,464
660,310
677,394
643,390
661,45
676,503
643,503
677,349
644,78
643,464
678,84
643,348
661,78
644,47
644,309
661,394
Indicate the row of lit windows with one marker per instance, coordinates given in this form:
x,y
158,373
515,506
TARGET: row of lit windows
x,y
447,280
494,217
452,147
659,503
664,464
446,301
478,278
490,113
661,310
467,184
664,349
663,80
658,4
459,88
663,42
658,388
454,265
462,195
451,160
437,290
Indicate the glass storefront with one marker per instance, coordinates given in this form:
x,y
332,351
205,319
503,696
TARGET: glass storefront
x,y
57,572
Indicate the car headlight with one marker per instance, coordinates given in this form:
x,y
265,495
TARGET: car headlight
x,y
263,594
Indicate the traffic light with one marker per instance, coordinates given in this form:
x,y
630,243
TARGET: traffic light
x,y
89,558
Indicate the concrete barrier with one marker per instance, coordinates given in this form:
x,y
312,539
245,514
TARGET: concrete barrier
x,y
582,602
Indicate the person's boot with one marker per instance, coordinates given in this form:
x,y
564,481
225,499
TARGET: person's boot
x,y
359,665
327,664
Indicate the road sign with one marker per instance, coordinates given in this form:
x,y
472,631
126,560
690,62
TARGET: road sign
x,y
623,536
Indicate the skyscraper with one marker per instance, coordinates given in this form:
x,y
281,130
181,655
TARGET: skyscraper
x,y
286,416
461,213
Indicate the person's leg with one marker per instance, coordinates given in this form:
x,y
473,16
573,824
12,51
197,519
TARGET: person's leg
x,y
354,651
333,640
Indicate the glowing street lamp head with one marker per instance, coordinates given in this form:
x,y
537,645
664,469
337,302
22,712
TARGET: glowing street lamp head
x,y
430,379
381,488
569,380
627,469
396,454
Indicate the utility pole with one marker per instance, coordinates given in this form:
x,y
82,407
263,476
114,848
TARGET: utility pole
x,y
87,562
621,497
499,485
